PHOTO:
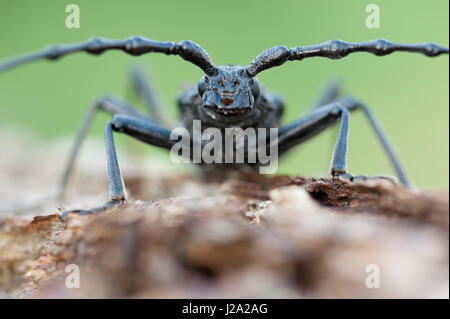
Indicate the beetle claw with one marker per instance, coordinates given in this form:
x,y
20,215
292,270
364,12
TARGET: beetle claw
x,y
106,207
353,178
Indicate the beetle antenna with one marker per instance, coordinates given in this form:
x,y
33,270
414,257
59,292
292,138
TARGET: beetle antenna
x,y
336,49
134,45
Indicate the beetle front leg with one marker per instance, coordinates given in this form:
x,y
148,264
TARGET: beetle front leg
x,y
117,194
315,122
148,132
108,104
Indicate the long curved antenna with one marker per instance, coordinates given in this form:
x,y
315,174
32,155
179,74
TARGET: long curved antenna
x,y
134,45
336,49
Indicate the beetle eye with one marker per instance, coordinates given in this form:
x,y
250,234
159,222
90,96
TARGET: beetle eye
x,y
201,86
255,89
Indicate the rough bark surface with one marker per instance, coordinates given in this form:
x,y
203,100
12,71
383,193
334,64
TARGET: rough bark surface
x,y
240,236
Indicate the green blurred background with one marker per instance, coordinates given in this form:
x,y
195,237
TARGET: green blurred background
x,y
408,92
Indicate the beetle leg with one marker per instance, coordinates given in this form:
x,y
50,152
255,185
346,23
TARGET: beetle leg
x,y
145,88
108,104
143,130
327,94
315,122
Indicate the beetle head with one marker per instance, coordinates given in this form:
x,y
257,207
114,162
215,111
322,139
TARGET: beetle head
x,y
229,93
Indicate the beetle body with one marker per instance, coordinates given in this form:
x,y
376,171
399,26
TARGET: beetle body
x,y
229,97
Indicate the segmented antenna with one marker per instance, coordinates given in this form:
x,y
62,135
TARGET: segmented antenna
x,y
134,45
336,49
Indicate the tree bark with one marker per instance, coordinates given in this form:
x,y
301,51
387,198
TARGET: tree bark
x,y
242,236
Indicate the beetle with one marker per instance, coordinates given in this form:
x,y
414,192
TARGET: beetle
x,y
228,96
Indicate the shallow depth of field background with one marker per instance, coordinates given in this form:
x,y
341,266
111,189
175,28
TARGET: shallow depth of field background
x,y
408,92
